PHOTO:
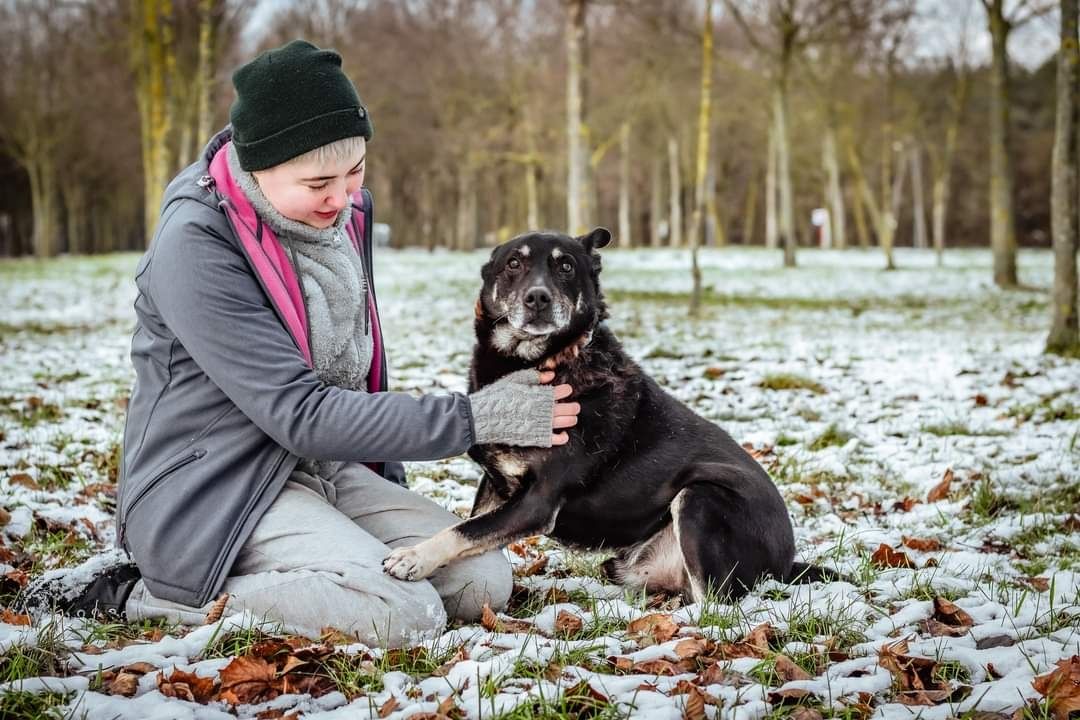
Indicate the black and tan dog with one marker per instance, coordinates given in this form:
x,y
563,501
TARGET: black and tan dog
x,y
682,505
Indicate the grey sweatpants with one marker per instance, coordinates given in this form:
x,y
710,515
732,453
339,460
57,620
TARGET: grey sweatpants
x,y
315,560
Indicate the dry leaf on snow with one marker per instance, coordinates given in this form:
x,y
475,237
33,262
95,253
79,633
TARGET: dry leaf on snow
x,y
567,624
787,670
888,557
941,490
248,679
921,544
186,686
1061,688
948,613
658,626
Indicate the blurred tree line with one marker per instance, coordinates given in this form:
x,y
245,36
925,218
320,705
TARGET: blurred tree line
x,y
493,116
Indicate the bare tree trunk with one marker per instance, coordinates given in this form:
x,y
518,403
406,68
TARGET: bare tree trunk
x,y
783,145
1064,335
153,58
1002,216
466,208
43,191
943,172
918,199
205,71
624,186
656,200
577,191
715,233
861,230
834,195
772,226
702,158
78,221
750,212
532,167
675,194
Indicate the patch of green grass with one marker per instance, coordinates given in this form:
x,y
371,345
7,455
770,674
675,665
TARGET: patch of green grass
x,y
239,641
44,659
54,477
23,705
28,413
791,381
1046,409
783,440
709,296
577,702
830,437
119,634
353,675
955,427
56,548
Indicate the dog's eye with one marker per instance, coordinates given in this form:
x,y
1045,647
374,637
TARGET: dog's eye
x,y
566,266
514,264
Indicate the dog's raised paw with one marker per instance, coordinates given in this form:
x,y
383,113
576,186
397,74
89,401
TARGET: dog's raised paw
x,y
406,563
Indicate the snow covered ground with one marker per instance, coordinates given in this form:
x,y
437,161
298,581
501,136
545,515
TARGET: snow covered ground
x,y
925,445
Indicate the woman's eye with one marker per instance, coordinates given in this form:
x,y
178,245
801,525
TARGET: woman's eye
x,y
318,187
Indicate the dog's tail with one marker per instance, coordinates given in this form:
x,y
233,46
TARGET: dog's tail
x,y
805,573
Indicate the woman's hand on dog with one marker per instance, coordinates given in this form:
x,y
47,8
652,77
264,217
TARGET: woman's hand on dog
x,y
565,414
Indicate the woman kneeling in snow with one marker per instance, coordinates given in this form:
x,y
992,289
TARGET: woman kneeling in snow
x,y
262,450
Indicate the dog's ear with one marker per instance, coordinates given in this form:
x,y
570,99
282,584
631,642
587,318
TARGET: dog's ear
x,y
596,239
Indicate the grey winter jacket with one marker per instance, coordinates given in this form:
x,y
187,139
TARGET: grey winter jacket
x,y
225,405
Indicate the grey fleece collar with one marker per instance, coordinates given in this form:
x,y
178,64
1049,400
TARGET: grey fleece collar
x,y
280,224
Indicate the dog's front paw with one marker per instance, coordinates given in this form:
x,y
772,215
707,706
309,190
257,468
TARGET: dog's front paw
x,y
407,563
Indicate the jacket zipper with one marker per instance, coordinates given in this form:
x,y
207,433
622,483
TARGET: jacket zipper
x,y
173,467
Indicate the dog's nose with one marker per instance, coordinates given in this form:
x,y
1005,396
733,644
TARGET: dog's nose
x,y
537,299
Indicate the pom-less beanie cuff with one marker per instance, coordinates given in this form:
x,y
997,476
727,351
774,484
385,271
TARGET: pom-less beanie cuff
x,y
295,140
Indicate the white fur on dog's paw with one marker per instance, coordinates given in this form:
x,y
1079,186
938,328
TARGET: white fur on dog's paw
x,y
406,563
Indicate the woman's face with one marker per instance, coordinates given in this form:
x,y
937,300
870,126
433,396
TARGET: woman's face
x,y
310,192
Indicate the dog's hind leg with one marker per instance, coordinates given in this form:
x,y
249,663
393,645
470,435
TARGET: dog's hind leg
x,y
731,530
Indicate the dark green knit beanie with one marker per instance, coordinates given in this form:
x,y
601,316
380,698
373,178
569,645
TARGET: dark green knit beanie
x,y
290,100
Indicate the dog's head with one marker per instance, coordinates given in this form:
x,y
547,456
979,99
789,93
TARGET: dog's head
x,y
541,292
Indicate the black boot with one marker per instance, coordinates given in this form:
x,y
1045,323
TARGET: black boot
x,y
103,597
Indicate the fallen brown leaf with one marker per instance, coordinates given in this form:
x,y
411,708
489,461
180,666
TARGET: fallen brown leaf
x,y
717,674
787,670
388,707
140,668
248,679
948,613
936,628
13,618
186,686
24,480
125,684
658,626
656,667
804,713
941,490
533,568
887,557
217,610
694,709
691,648
567,624
1061,688
791,696
921,544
